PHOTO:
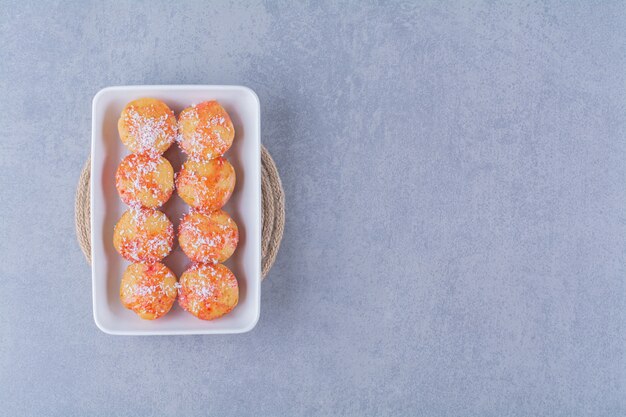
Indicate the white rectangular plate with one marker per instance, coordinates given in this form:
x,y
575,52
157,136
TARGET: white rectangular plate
x,y
244,207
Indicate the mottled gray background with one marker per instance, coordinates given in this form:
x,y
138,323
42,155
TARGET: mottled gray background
x,y
455,175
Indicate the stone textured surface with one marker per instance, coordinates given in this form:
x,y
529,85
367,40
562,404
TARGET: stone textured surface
x,y
455,176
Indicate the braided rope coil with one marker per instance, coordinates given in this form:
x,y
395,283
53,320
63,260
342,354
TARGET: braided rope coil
x,y
273,204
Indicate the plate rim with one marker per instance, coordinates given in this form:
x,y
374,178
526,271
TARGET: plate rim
x,y
257,121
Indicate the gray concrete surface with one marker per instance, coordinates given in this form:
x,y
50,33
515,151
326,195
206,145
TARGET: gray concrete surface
x,y
455,176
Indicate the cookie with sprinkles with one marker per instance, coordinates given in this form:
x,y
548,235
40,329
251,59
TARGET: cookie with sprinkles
x,y
208,291
206,185
143,235
148,289
147,126
208,237
205,131
144,181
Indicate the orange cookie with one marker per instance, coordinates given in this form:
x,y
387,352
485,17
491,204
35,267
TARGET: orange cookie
x,y
148,289
208,237
147,125
208,185
142,181
143,235
208,291
205,131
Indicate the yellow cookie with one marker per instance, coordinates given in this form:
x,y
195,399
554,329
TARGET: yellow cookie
x,y
143,181
148,289
205,131
147,126
143,235
208,291
208,185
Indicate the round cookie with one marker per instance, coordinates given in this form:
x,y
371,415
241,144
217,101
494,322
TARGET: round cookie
x,y
205,131
142,181
208,291
147,125
207,185
143,235
148,289
208,237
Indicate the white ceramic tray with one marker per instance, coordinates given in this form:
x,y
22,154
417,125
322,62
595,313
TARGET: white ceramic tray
x,y
244,206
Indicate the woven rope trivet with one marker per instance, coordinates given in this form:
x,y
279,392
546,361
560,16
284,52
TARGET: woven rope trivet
x,y
273,197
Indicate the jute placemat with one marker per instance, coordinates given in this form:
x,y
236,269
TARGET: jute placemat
x,y
273,202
